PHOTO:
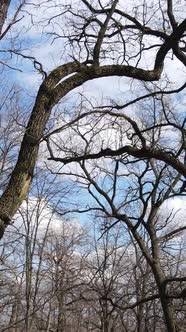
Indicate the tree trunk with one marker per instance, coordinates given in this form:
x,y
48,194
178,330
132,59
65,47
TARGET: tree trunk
x,y
14,327
166,303
3,13
49,94
168,312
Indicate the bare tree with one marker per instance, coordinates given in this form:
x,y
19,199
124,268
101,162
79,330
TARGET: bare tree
x,y
147,183
130,154
107,25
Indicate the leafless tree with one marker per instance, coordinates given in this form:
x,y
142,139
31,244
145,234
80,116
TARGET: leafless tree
x,y
95,52
129,154
147,183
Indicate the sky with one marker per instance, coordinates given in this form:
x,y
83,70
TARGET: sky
x,y
36,40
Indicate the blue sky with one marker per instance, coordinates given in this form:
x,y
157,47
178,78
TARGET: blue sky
x,y
34,41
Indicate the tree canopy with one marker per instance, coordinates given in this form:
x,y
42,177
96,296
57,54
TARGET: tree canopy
x,y
126,151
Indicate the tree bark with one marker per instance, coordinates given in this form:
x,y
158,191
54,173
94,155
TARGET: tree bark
x,y
3,12
166,303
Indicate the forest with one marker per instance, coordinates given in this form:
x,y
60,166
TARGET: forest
x,y
93,166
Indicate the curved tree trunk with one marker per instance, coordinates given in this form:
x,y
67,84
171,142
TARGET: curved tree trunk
x,y
49,94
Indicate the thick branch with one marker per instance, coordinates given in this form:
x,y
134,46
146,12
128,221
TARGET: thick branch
x,y
170,43
170,14
135,304
171,234
144,152
101,34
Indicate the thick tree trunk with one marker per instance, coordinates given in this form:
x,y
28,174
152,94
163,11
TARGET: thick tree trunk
x,y
4,4
105,317
49,94
61,324
166,303
154,262
168,314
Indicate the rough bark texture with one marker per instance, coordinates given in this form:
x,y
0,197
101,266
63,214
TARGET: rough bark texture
x,y
3,12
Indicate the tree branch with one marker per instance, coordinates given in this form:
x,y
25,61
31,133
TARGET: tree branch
x,y
145,152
